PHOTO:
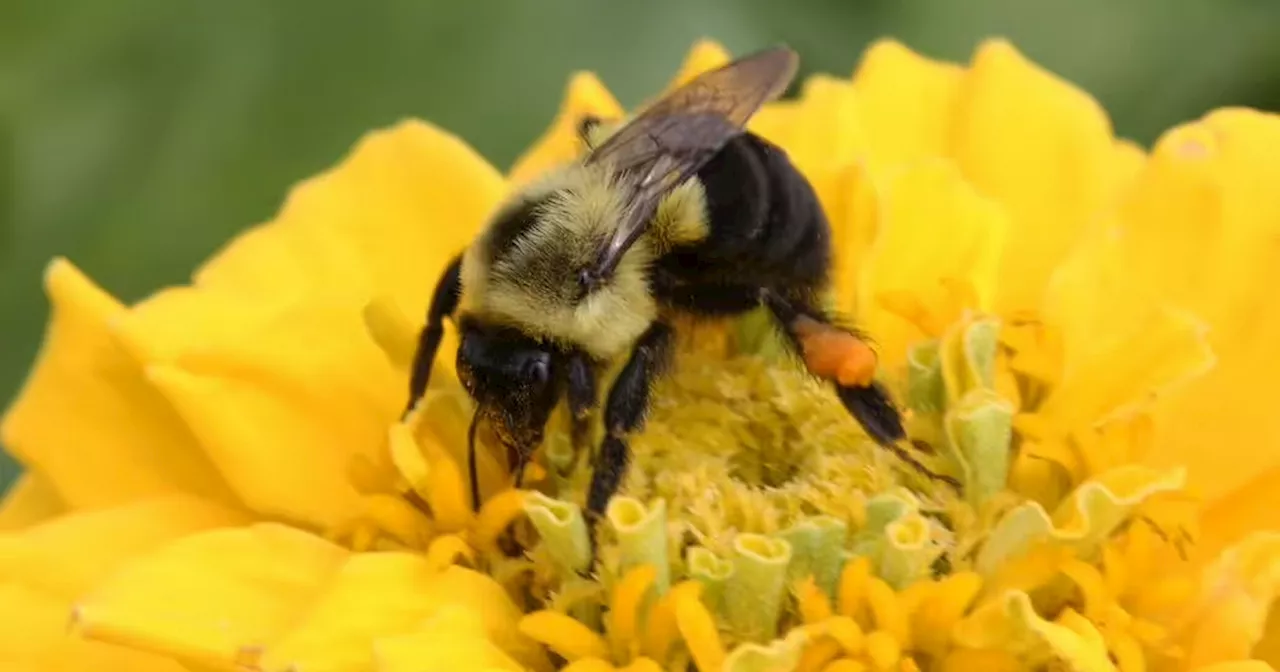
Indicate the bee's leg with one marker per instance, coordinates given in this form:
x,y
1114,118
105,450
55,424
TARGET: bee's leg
x,y
582,400
836,353
443,302
624,413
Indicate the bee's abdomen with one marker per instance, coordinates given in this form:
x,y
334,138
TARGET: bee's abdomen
x,y
766,229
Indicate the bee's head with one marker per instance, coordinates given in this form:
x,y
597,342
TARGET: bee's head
x,y
515,380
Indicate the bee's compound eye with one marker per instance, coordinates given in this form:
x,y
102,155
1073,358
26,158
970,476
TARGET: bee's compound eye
x,y
538,369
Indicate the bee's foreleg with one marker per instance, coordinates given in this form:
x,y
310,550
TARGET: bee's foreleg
x,y
444,301
582,400
624,413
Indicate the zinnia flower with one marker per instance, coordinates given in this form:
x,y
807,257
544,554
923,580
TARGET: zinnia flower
x,y
1082,333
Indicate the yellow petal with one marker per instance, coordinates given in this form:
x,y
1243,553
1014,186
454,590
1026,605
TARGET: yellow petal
x,y
1010,623
34,638
1238,666
215,598
624,609
1248,509
378,595
388,216
87,418
1012,115
704,56
45,566
68,555
283,459
964,660
585,96
1127,161
563,635
453,638
777,122
1202,220
281,410
443,423
827,134
661,628
1238,592
907,102
1081,522
699,631
933,621
495,516
929,201
852,203
31,499
1123,347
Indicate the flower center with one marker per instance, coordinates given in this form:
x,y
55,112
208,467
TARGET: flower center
x,y
757,526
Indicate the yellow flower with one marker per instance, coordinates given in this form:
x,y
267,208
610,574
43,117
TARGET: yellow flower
x,y
218,477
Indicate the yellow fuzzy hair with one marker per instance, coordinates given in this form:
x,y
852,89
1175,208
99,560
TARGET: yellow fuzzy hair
x,y
534,285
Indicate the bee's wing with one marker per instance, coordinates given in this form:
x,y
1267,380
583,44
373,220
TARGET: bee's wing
x,y
670,140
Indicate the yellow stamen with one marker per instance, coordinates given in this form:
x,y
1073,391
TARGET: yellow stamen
x,y
363,537
661,630
933,620
407,457
1116,574
966,660
624,611
396,517
846,633
367,477
845,665
883,649
446,490
913,595
1092,588
574,593
589,665
564,635
1128,653
820,651
888,614
909,307
853,585
813,603
446,550
497,513
391,330
698,629
643,665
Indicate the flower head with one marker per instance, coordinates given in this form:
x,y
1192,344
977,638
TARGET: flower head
x,y
219,477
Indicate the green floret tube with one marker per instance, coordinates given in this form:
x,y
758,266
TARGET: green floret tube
x,y
713,572
563,531
753,596
642,537
817,549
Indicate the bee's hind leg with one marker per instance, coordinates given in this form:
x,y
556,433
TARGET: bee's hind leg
x,y
837,353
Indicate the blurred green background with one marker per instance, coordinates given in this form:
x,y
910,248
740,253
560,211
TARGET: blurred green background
x,y
136,136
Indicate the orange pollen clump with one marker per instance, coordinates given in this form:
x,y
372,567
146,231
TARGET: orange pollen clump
x,y
835,354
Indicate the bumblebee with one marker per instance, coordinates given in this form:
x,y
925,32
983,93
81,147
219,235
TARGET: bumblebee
x,y
678,212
